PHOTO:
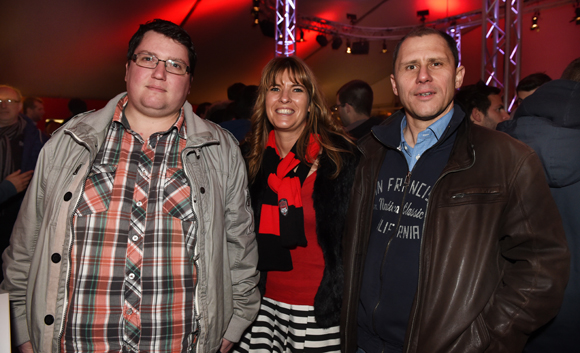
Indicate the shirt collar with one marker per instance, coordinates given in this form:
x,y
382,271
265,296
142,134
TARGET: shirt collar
x,y
434,130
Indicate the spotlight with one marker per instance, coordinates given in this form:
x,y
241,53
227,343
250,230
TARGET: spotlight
x,y
256,11
322,40
577,16
348,49
535,21
453,28
422,14
301,37
336,42
385,50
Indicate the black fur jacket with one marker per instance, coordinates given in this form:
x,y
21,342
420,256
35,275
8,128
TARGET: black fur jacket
x,y
331,199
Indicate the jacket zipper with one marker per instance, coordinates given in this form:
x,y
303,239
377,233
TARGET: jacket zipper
x,y
197,322
393,235
419,279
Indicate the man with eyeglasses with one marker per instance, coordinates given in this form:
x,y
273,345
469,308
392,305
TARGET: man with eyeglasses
x,y
20,144
136,234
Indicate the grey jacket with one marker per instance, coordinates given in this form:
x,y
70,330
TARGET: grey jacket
x,y
36,265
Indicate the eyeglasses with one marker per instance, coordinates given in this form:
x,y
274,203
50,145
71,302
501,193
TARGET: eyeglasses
x,y
9,101
335,107
150,62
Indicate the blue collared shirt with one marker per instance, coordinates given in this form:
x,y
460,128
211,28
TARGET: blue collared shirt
x,y
425,140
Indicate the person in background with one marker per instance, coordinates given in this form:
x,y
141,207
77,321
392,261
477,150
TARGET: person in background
x,y
453,243
530,84
242,109
202,109
20,145
482,104
550,124
33,108
354,102
136,231
301,167
76,106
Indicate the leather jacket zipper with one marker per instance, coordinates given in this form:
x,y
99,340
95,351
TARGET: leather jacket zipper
x,y
419,279
396,230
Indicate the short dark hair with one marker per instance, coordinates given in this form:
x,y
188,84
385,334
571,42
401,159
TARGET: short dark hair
x,y
359,94
475,96
77,106
28,103
424,31
533,81
235,91
572,71
168,29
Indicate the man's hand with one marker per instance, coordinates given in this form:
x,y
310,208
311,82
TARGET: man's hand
x,y
25,347
20,180
226,346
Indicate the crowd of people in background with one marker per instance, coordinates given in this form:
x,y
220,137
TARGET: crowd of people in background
x,y
273,222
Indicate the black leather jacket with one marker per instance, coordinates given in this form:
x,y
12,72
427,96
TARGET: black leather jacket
x,y
494,261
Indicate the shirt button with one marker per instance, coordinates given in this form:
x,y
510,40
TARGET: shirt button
x,y
139,203
129,311
135,238
405,148
202,190
68,196
418,156
131,276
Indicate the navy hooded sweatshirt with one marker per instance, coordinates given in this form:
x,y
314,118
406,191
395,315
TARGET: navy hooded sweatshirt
x,y
549,122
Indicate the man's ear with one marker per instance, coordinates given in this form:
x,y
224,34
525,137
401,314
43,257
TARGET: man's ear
x,y
349,108
476,115
394,85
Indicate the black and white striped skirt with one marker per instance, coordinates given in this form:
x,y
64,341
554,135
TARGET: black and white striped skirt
x,y
282,327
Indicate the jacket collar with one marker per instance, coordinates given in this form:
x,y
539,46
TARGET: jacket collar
x,y
388,135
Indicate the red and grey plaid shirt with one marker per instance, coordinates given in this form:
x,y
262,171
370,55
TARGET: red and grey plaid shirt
x,y
132,280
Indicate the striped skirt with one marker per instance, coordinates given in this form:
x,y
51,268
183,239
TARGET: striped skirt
x,y
285,328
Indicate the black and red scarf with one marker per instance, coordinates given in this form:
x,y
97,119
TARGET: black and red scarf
x,y
281,218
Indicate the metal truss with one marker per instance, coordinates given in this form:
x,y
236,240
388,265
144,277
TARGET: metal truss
x,y
513,45
498,44
455,32
285,27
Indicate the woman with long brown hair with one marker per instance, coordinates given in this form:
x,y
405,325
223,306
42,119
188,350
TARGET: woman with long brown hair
x,y
301,167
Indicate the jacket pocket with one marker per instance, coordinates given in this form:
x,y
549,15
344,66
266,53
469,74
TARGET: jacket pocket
x,y
480,195
97,192
177,195
475,339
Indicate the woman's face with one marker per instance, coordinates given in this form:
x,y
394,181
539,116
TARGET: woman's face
x,y
287,105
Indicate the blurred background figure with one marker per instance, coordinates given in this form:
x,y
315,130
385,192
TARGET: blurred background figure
x,y
202,109
75,107
20,144
354,102
301,167
530,84
241,109
482,104
550,124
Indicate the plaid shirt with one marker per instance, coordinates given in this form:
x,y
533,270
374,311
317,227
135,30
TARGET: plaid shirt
x,y
132,278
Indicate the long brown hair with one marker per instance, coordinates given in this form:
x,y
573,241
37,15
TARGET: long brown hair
x,y
319,121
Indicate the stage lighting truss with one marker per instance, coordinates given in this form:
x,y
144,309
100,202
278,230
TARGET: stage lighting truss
x,y
496,41
285,27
